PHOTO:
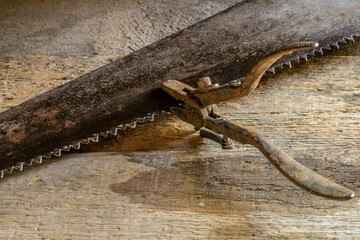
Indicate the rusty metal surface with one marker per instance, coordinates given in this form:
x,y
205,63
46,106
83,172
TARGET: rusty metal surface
x,y
223,47
202,114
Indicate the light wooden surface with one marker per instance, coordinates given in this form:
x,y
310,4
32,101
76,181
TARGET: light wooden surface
x,y
162,181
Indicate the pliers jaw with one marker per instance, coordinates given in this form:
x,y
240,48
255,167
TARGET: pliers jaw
x,y
190,109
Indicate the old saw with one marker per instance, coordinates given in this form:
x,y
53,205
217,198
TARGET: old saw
x,y
223,47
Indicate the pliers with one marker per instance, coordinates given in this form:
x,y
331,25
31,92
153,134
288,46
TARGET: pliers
x,y
197,106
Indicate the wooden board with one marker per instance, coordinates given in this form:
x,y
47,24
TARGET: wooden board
x,y
161,180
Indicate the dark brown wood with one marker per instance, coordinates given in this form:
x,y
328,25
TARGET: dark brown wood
x,y
223,47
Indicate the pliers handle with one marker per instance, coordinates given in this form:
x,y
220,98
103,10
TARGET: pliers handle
x,y
290,168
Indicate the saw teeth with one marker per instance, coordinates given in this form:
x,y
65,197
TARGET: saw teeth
x,y
150,117
21,166
343,40
77,145
29,162
350,38
95,138
289,64
320,50
272,70
304,56
38,159
335,44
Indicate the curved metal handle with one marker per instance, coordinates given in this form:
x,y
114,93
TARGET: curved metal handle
x,y
216,94
291,169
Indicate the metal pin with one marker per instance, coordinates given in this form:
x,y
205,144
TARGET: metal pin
x,y
226,143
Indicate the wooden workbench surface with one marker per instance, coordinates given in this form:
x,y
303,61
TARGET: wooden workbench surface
x,y
161,180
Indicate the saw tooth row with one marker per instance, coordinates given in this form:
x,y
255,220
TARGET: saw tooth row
x,y
77,145
304,56
150,117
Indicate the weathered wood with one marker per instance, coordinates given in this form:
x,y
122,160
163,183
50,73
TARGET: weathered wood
x,y
224,47
161,180
40,74
93,28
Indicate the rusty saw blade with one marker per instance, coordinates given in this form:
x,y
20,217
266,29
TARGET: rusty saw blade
x,y
223,47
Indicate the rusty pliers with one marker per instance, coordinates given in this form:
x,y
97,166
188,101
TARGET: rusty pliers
x,y
198,107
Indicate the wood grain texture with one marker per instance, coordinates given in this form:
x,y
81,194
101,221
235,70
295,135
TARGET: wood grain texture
x,y
162,181
39,74
109,27
129,87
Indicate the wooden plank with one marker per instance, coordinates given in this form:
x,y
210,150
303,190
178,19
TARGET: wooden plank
x,y
161,180
223,47
24,77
